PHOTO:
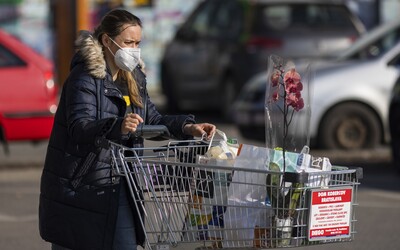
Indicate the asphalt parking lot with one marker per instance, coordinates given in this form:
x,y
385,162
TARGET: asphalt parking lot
x,y
378,213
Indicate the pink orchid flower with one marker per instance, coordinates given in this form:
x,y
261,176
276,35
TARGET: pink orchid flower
x,y
292,76
275,78
292,85
275,96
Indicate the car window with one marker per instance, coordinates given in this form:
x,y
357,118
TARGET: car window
x,y
380,46
228,20
199,23
395,61
9,59
277,19
396,89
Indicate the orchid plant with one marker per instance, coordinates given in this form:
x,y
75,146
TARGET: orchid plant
x,y
286,131
291,85
287,110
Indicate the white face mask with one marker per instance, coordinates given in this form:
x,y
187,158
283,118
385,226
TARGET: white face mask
x,y
126,58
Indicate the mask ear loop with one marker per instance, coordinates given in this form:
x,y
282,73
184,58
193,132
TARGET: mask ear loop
x,y
109,47
115,42
120,49
110,51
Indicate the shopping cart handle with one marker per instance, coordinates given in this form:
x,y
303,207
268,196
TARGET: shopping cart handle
x,y
153,132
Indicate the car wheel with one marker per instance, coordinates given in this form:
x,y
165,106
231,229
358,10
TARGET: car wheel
x,y
252,133
172,104
228,96
394,118
350,126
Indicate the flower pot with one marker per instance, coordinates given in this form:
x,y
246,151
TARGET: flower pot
x,y
283,231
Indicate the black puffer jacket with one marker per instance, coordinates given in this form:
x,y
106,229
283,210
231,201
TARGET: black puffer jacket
x,y
83,216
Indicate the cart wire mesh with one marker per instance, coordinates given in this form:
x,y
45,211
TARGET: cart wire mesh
x,y
229,206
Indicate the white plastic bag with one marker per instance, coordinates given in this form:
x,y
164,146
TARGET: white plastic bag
x,y
208,198
246,199
224,149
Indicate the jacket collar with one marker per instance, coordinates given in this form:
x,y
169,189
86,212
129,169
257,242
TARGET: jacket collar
x,y
91,54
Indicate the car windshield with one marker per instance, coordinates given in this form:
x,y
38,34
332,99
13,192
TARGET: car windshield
x,y
9,59
374,43
276,20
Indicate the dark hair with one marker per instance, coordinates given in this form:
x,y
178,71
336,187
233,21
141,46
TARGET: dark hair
x,y
112,23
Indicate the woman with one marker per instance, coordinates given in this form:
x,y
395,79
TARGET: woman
x,y
82,205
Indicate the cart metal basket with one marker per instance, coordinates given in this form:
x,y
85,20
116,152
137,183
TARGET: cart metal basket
x,y
187,201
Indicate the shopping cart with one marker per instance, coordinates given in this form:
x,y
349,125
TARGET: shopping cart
x,y
227,206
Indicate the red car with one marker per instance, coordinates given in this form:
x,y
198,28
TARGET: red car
x,y
28,93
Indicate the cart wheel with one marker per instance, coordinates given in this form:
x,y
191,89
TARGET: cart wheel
x,y
252,132
168,90
350,126
394,118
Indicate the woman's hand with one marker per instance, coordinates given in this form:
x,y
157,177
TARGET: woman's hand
x,y
200,129
130,123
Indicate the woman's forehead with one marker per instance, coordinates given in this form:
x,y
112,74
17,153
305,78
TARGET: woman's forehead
x,y
131,32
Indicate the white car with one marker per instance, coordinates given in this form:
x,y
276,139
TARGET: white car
x,y
350,99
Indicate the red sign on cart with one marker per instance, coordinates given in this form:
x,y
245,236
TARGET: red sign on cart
x,y
330,213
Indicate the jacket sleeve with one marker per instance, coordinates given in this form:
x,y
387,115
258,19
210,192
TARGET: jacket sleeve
x,y
81,106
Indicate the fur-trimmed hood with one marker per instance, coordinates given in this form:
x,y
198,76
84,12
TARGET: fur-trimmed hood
x,y
90,52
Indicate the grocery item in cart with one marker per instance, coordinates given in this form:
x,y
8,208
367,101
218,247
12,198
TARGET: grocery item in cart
x,y
301,162
226,148
209,191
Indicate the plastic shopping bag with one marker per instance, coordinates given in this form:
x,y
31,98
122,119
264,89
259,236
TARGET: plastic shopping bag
x,y
246,199
208,199
301,162
223,149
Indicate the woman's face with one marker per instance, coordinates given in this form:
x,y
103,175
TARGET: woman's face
x,y
130,37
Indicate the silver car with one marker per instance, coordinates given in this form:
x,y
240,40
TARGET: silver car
x,y
350,100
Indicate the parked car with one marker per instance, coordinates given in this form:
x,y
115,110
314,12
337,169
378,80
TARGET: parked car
x,y
394,120
372,44
28,96
225,42
350,95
